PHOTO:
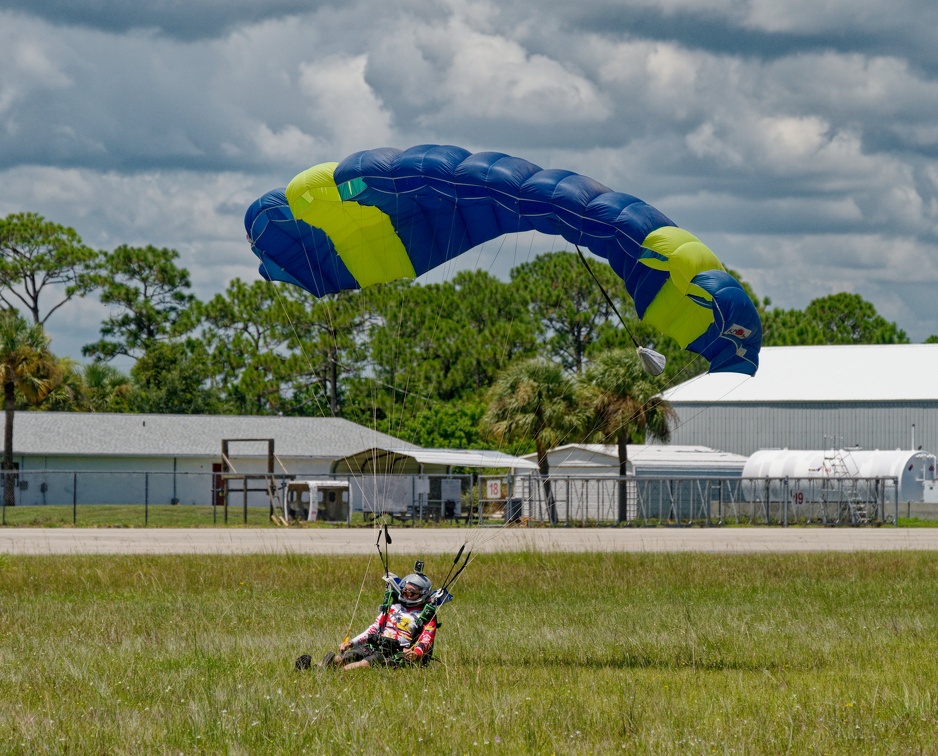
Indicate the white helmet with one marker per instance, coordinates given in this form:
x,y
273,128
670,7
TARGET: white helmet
x,y
420,589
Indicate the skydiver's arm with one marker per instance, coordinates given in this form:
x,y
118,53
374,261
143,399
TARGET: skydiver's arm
x,y
373,630
424,642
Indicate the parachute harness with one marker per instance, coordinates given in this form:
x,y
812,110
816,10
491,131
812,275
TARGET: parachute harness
x,y
395,586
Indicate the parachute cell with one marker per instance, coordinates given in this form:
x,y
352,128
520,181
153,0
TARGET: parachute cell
x,y
384,214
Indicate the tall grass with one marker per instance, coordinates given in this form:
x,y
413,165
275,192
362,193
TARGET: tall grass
x,y
656,653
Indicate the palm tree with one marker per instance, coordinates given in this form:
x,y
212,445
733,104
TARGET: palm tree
x,y
626,405
105,387
534,401
94,387
27,366
68,395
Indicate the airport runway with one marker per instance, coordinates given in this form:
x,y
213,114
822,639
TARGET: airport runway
x,y
31,541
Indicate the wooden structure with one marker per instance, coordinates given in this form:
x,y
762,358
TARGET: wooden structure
x,y
270,481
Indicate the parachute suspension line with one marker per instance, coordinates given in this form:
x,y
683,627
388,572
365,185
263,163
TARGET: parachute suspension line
x,y
649,358
376,525
652,361
299,341
645,354
606,296
450,580
699,412
447,272
449,258
361,590
410,409
446,580
397,418
705,409
385,561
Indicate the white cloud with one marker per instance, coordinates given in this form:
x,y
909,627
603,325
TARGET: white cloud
x,y
782,145
342,105
797,139
32,61
285,144
462,71
494,77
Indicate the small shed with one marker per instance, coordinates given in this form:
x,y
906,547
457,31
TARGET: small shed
x,y
644,461
660,477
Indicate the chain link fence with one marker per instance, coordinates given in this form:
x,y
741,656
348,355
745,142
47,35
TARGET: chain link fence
x,y
206,499
592,501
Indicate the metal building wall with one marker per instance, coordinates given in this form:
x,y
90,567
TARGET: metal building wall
x,y
747,428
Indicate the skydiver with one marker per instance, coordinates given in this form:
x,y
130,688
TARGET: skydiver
x,y
401,635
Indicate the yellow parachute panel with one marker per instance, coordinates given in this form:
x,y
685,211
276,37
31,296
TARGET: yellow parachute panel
x,y
362,236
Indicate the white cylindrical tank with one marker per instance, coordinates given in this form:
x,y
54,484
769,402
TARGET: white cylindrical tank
x,y
914,470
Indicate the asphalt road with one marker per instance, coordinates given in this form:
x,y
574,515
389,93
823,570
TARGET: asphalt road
x,y
448,540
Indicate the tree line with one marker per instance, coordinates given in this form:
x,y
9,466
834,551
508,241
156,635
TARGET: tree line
x,y
421,362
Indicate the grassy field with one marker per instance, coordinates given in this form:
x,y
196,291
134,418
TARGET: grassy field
x,y
132,516
663,653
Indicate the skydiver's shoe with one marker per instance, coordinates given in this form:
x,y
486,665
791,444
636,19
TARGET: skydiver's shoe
x,y
304,662
327,661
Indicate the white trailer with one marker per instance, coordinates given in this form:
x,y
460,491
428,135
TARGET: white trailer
x,y
312,500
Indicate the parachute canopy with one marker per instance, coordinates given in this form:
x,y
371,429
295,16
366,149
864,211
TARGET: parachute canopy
x,y
385,214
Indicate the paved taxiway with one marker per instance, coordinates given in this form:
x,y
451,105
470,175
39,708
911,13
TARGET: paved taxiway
x,y
448,540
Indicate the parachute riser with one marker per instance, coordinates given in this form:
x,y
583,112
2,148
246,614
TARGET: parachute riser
x,y
653,362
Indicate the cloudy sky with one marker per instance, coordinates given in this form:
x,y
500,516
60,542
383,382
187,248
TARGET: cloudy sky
x,y
797,139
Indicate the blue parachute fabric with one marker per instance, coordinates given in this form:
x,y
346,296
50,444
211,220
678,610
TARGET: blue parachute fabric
x,y
442,200
727,343
293,251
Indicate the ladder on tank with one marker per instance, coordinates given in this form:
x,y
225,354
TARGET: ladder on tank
x,y
840,466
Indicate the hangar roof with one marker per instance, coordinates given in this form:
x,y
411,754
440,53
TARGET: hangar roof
x,y
841,373
129,435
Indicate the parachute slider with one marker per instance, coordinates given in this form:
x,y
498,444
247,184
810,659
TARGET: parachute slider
x,y
652,361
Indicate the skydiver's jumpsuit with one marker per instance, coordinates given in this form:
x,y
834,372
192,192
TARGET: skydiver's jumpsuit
x,y
389,635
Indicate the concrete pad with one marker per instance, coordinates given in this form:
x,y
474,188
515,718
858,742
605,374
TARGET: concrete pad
x,y
20,541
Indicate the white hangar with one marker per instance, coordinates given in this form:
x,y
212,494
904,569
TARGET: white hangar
x,y
816,397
